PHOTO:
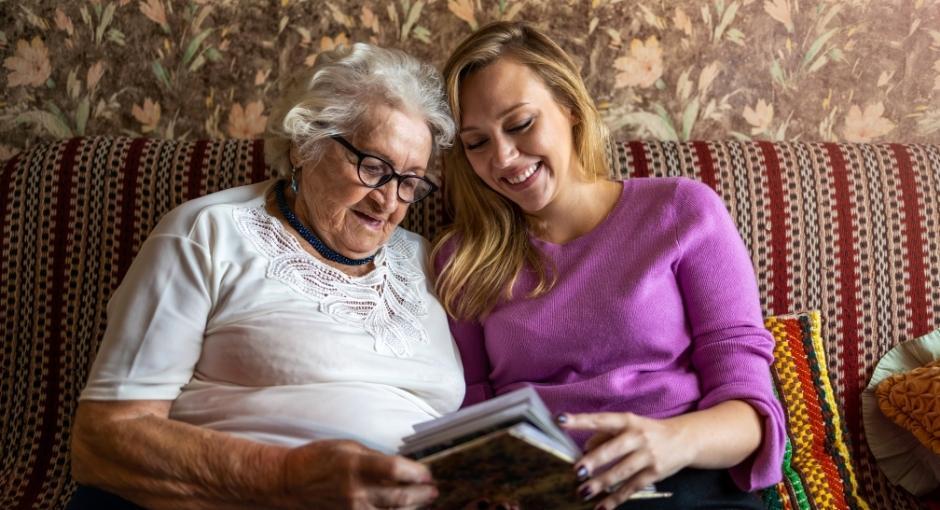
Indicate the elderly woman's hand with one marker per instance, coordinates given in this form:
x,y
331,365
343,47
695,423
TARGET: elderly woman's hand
x,y
346,474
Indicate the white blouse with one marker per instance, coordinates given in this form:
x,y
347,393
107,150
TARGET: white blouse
x,y
224,313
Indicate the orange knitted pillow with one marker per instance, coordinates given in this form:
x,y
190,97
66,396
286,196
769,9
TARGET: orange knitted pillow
x,y
912,400
897,410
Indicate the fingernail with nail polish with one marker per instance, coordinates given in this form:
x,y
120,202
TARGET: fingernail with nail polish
x,y
561,418
586,493
582,473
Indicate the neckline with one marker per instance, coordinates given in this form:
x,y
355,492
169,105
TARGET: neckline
x,y
297,249
388,302
611,217
309,235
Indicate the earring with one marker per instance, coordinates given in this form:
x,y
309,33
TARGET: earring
x,y
293,179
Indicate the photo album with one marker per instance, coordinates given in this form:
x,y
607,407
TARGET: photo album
x,y
504,449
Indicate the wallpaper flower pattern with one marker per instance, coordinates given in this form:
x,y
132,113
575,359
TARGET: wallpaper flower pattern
x,y
851,70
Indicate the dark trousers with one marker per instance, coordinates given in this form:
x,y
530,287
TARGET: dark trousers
x,y
93,498
698,489
691,488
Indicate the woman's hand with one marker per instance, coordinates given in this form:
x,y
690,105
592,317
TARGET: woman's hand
x,y
345,475
115,447
626,453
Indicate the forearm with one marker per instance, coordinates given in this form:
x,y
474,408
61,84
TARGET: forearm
x,y
158,463
721,436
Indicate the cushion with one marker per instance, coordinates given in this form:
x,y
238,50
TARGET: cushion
x,y
817,469
901,408
912,400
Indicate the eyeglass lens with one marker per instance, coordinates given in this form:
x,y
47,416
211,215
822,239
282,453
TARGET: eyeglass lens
x,y
375,173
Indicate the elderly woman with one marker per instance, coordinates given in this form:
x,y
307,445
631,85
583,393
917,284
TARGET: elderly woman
x,y
272,343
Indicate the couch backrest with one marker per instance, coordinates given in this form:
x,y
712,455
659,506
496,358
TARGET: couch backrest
x,y
852,230
74,214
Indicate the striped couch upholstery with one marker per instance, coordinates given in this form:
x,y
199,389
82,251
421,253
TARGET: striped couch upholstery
x,y
851,230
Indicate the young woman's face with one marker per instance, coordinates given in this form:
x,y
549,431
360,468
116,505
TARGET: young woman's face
x,y
516,136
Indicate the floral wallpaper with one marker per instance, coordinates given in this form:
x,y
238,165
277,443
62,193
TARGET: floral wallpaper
x,y
852,70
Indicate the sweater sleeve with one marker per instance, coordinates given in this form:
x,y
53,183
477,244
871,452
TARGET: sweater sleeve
x,y
468,334
731,349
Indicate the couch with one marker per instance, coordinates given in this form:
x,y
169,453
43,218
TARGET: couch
x,y
850,230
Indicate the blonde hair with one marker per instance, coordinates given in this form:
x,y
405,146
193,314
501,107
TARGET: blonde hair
x,y
343,85
489,235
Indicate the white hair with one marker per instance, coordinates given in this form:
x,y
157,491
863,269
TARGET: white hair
x,y
335,96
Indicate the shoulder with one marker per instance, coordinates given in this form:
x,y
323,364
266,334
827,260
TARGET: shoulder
x,y
697,200
408,241
406,251
214,208
406,256
669,188
676,206
681,195
695,191
444,249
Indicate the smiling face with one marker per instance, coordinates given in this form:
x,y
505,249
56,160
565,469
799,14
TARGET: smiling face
x,y
349,217
516,136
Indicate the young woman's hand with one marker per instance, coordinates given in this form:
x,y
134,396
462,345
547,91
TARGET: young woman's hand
x,y
346,474
626,453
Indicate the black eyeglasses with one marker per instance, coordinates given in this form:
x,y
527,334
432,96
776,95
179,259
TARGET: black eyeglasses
x,y
375,172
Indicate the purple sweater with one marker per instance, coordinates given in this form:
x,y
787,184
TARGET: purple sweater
x,y
656,311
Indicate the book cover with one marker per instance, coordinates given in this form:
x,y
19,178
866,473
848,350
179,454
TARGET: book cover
x,y
505,465
507,449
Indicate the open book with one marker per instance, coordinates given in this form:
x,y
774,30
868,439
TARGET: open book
x,y
504,449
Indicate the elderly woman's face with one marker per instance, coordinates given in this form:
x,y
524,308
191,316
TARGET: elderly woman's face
x,y
349,217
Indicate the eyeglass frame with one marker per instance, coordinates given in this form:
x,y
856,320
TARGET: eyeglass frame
x,y
385,179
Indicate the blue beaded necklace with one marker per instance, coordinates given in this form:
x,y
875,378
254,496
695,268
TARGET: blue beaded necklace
x,y
311,238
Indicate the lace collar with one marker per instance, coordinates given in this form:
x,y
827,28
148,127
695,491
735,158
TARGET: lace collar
x,y
387,302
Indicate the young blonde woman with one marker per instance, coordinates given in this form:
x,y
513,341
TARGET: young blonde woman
x,y
631,305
